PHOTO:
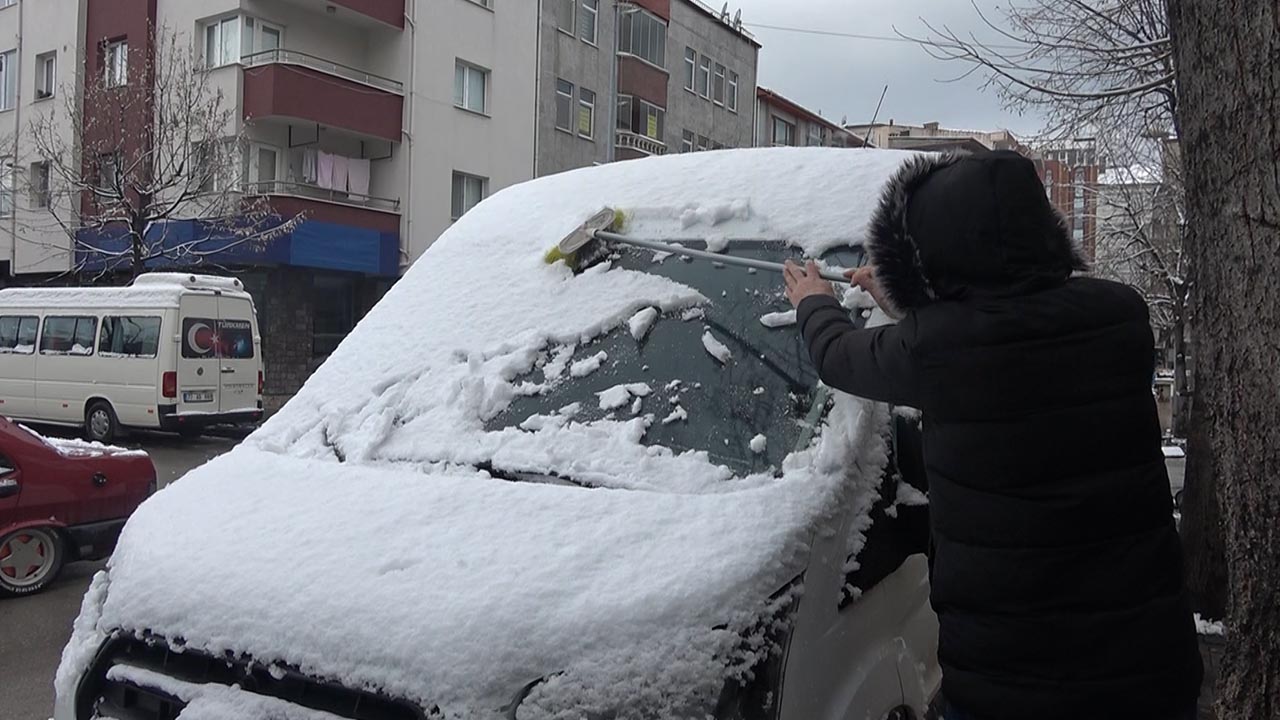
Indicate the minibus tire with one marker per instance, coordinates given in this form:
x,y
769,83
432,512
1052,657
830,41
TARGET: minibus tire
x,y
108,426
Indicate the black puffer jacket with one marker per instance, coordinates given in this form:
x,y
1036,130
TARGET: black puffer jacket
x,y
1057,573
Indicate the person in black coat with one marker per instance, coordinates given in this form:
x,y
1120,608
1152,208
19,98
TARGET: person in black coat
x,y
1056,567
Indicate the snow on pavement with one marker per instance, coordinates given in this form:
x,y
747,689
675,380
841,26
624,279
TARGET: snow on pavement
x,y
715,348
642,322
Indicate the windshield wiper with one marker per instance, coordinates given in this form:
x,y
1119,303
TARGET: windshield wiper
x,y
529,477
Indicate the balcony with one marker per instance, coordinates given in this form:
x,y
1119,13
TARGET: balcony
x,y
381,12
642,144
290,198
297,86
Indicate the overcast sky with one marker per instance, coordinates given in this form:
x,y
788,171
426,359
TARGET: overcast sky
x,y
844,76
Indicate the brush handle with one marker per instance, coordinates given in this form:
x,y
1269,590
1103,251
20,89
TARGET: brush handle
x,y
714,257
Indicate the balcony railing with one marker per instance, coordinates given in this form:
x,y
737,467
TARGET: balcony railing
x,y
314,192
301,59
628,140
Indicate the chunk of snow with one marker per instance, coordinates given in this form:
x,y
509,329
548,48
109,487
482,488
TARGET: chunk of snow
x,y
555,367
759,443
717,242
758,391
855,298
676,415
693,314
715,348
907,413
74,447
585,367
619,395
1173,452
1209,627
637,406
672,386
778,319
642,322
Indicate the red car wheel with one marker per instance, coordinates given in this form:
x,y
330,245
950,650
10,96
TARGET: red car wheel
x,y
29,560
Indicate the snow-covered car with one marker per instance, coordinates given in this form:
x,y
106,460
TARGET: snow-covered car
x,y
62,501
520,491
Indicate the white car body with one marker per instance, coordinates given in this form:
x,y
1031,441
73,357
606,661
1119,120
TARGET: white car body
x,y
408,531
126,341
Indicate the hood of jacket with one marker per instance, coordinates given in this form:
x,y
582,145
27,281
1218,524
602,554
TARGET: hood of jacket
x,y
956,225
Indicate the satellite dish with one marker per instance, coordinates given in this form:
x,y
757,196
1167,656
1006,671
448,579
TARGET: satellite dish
x,y
724,13
737,19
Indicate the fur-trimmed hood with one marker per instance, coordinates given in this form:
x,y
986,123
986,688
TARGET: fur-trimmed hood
x,y
956,225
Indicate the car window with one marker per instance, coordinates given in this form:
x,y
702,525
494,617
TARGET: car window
x,y
900,517
715,379
18,334
68,336
129,336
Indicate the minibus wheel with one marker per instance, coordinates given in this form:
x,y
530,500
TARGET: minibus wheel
x,y
100,422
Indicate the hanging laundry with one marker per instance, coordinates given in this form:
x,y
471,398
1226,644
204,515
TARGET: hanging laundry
x,y
341,166
324,170
309,165
358,176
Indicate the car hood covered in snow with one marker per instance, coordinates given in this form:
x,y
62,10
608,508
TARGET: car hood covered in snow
x,y
357,538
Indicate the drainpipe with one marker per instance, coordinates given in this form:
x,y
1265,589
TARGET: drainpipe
x,y
406,206
13,170
612,139
537,87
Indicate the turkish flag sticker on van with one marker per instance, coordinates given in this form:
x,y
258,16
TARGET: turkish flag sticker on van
x,y
208,338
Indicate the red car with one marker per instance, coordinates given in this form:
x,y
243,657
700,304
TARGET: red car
x,y
62,501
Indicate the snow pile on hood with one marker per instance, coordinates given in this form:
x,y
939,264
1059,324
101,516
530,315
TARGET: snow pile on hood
x,y
360,537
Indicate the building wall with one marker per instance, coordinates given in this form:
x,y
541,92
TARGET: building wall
x,y
566,56
692,27
826,134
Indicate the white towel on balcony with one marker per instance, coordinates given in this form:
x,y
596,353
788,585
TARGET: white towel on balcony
x,y
309,165
324,170
341,167
358,176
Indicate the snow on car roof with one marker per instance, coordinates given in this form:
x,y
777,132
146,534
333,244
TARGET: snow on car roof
x,y
354,537
149,290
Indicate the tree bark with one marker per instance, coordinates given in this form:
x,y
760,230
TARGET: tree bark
x,y
1229,85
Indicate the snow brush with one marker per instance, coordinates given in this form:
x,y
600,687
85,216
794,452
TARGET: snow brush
x,y
589,243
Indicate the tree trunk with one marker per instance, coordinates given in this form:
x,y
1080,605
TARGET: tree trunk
x,y
1181,391
1229,85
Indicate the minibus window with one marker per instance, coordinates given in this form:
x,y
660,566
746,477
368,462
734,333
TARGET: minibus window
x,y
18,334
129,337
68,336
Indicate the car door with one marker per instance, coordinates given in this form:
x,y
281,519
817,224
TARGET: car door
x,y
198,369
238,360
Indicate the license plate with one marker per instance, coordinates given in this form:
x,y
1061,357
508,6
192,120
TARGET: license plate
x,y
197,396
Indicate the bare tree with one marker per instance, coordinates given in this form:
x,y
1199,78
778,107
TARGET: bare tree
x,y
152,141
1229,81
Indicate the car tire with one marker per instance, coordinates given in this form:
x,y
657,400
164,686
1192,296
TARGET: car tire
x,y
100,422
40,553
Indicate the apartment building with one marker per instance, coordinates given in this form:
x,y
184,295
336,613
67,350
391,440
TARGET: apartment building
x,y
781,122
416,111
621,80
1071,171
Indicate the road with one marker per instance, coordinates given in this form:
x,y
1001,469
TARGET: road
x,y
34,629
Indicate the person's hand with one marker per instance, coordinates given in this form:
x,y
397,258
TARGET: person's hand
x,y
865,278
805,282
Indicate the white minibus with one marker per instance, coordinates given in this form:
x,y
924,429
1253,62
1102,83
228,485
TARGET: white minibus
x,y
174,352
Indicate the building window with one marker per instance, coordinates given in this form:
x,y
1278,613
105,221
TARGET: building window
x,y
334,316
784,133
704,143
588,21
109,174
116,63
644,36
264,167
686,141
1078,193
46,75
690,67
586,113
1077,234
470,87
468,191
733,91
8,3
222,42
6,187
565,15
8,79
641,117
814,137
717,88
704,77
564,105
68,335
39,185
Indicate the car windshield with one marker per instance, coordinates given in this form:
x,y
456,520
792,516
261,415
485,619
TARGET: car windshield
x,y
747,409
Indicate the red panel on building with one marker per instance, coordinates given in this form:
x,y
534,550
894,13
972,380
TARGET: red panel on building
x,y
289,91
639,78
390,12
335,213
661,8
